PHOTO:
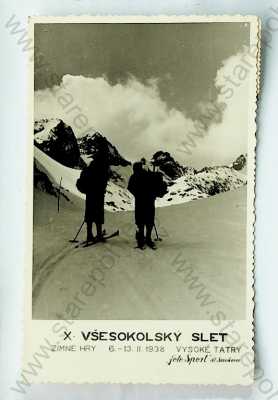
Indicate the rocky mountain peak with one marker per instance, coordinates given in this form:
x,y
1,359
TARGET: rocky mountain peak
x,y
93,142
167,164
240,162
57,139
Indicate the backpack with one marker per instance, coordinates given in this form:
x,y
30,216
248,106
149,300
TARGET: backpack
x,y
82,182
160,186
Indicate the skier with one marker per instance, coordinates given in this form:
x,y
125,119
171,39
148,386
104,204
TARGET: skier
x,y
97,175
141,186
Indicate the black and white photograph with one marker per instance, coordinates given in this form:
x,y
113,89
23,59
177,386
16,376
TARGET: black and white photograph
x,y
143,174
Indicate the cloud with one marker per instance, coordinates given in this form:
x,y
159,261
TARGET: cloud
x,y
226,135
133,116
229,138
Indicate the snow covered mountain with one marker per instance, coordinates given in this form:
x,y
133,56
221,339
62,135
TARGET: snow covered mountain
x,y
61,154
91,142
56,139
185,183
170,168
121,168
195,185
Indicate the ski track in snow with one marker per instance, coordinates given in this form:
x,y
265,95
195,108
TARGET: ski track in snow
x,y
142,284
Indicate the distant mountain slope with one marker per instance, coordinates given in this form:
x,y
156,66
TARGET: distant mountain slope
x,y
203,184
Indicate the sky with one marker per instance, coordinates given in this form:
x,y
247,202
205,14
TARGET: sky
x,y
147,86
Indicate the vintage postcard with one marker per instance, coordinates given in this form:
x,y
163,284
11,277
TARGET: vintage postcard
x,y
139,265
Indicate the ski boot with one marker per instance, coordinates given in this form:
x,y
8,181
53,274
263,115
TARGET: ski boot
x,y
151,244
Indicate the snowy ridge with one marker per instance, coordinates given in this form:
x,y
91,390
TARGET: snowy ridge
x,y
202,185
59,155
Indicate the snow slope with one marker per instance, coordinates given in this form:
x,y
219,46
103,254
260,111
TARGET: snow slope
x,y
116,199
208,234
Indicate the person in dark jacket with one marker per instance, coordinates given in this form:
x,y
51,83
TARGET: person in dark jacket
x,y
141,186
98,174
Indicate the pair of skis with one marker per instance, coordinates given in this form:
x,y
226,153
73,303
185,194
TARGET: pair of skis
x,y
105,237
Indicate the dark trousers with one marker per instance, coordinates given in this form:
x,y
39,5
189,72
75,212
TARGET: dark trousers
x,y
90,235
141,232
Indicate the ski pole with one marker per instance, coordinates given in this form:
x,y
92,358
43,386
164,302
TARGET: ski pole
x,y
157,237
74,240
59,192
